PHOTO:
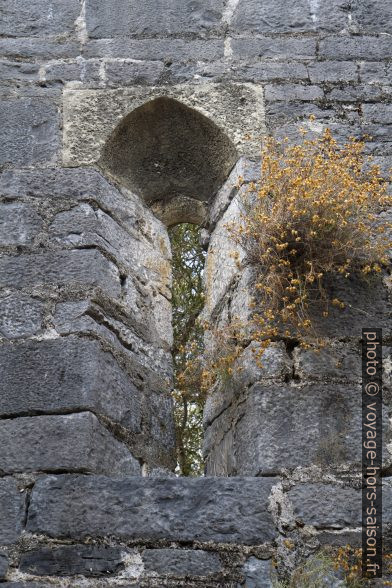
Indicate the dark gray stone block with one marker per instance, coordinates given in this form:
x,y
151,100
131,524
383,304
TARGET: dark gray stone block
x,y
29,131
327,505
20,315
75,184
63,72
3,566
74,443
375,72
358,47
124,18
156,49
78,375
70,560
277,367
293,92
333,71
144,360
339,539
87,72
269,71
282,426
379,113
125,73
279,113
372,16
38,18
368,298
357,93
12,71
277,47
12,507
222,510
181,562
281,17
78,184
25,48
79,268
86,227
19,224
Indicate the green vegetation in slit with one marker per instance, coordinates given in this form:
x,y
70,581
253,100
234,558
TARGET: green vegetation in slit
x,y
187,302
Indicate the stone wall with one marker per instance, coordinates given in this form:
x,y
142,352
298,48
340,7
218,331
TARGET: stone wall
x,y
86,431
301,411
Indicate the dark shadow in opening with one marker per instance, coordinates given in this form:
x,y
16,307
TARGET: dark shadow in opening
x,y
164,150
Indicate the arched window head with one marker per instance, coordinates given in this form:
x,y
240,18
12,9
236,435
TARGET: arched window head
x,y
172,156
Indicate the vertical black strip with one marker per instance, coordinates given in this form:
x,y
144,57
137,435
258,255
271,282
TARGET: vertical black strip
x,y
372,453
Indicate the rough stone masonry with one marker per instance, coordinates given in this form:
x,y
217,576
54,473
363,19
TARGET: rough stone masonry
x,y
119,118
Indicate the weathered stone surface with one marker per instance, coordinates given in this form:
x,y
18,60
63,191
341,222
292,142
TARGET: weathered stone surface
x,y
12,506
157,49
159,426
277,47
278,113
79,185
356,47
36,48
181,562
333,71
280,17
375,17
375,72
337,538
39,18
70,560
269,71
84,318
276,364
58,183
228,191
91,116
88,72
29,131
20,315
357,93
19,223
293,92
387,513
276,427
221,268
66,375
366,298
379,113
327,505
86,227
257,573
14,71
25,585
131,72
75,443
224,510
105,19
79,268
335,362
3,566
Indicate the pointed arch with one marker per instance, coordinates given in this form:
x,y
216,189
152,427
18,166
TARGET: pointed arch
x,y
164,150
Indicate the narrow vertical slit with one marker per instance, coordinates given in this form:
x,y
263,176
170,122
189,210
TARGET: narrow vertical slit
x,y
188,258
